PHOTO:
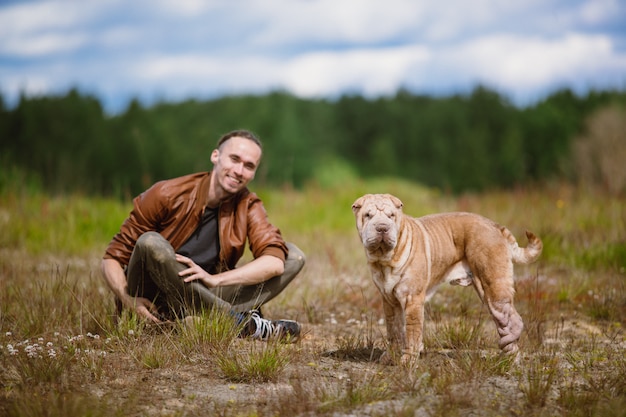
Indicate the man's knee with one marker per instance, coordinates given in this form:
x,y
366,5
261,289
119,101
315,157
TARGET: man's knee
x,y
295,253
156,245
295,260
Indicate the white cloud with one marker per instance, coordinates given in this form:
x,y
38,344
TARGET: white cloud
x,y
43,44
35,17
358,21
370,71
182,67
119,35
516,62
597,11
44,28
183,8
312,47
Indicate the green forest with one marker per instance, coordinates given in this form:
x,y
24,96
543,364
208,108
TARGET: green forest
x,y
458,143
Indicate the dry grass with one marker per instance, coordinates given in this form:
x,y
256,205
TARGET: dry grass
x,y
62,355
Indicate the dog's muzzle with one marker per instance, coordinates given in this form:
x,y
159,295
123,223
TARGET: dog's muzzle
x,y
380,236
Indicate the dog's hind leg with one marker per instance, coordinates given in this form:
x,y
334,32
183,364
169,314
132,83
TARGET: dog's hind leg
x,y
497,294
509,323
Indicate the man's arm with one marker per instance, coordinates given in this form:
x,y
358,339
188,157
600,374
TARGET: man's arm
x,y
115,278
254,272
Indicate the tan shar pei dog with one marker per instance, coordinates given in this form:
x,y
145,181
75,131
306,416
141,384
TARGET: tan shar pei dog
x,y
409,257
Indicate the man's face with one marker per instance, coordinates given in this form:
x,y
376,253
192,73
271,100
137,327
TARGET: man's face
x,y
235,164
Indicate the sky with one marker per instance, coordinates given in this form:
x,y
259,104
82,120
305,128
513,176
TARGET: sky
x,y
173,50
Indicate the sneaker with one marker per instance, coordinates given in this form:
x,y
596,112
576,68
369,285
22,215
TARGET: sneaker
x,y
263,329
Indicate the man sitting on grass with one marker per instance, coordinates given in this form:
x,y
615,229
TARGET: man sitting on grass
x,y
176,253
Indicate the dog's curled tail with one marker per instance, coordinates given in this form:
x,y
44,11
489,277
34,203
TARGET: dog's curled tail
x,y
525,255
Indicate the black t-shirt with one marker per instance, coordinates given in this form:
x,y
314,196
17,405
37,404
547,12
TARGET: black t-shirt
x,y
203,246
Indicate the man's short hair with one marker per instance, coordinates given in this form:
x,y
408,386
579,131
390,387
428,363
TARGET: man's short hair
x,y
241,133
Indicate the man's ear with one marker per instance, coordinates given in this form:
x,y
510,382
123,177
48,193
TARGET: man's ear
x,y
215,155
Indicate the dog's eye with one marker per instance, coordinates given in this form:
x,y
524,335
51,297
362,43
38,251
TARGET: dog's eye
x,y
367,215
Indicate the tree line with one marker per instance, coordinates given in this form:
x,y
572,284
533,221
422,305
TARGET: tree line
x,y
67,143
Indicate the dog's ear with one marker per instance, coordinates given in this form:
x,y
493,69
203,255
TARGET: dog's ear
x,y
396,201
356,206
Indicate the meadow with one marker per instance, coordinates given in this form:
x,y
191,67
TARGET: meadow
x,y
63,354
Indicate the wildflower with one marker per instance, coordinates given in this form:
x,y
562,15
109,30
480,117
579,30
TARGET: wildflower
x,y
49,344
7,334
31,351
52,353
76,338
131,332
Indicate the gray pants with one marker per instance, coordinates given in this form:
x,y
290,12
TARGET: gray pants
x,y
153,273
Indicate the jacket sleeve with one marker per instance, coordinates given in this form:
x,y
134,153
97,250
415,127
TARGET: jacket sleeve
x,y
244,218
145,216
264,238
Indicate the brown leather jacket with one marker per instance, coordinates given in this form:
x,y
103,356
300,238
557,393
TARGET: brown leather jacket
x,y
174,208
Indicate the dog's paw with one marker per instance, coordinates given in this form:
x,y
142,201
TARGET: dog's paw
x,y
404,359
409,359
511,349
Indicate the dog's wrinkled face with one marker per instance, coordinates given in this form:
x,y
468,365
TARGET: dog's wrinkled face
x,y
378,219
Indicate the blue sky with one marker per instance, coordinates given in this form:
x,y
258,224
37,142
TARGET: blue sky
x,y
176,49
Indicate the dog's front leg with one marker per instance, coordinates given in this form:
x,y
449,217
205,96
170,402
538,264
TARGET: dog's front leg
x,y
395,329
414,317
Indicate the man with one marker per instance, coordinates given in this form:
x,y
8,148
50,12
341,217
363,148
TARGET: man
x,y
176,252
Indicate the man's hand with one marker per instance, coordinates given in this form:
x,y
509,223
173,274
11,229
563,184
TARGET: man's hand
x,y
194,271
113,274
256,271
145,309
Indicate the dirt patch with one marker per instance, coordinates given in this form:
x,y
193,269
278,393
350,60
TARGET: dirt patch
x,y
332,372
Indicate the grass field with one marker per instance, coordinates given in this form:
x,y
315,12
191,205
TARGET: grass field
x,y
62,355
